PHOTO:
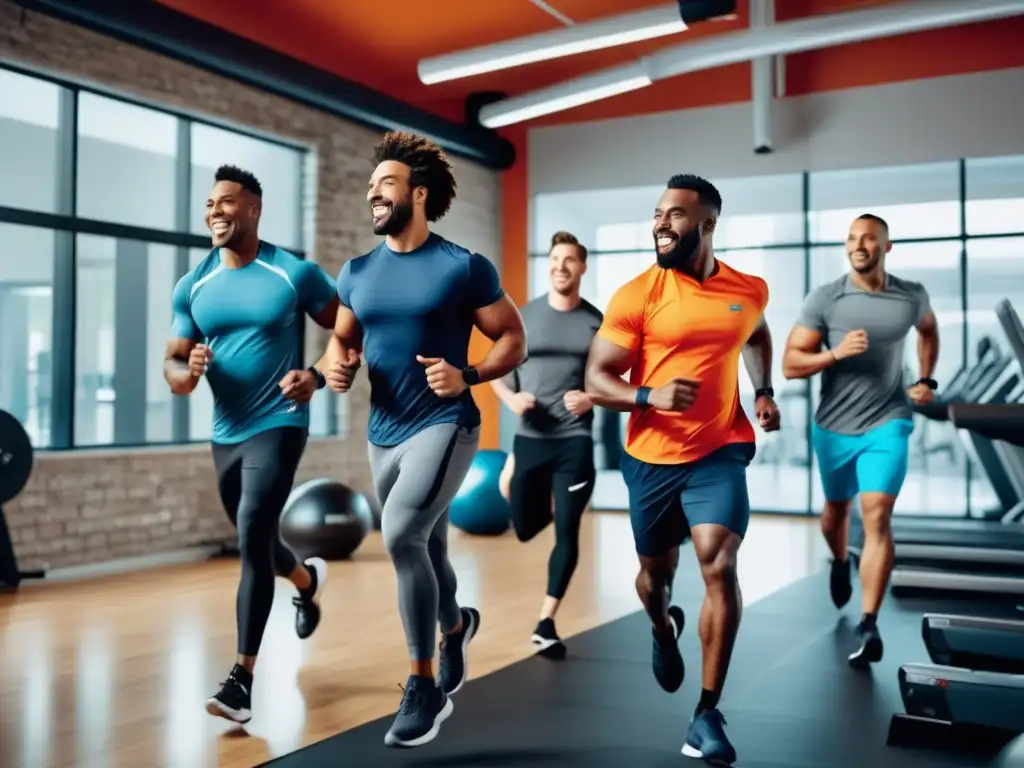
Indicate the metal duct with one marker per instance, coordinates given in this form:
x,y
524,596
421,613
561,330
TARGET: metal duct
x,y
762,80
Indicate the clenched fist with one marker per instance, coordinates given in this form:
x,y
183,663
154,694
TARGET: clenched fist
x,y
343,371
854,343
521,402
577,403
675,395
198,360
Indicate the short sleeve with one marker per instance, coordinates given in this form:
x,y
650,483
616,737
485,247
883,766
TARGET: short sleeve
x,y
345,285
812,313
623,321
314,286
484,283
183,325
924,304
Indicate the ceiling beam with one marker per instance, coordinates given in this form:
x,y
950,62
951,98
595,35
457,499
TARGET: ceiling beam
x,y
153,26
746,45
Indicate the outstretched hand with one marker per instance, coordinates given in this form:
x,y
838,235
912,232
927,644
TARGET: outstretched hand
x,y
442,377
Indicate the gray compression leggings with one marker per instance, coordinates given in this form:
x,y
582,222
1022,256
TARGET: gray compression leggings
x,y
416,482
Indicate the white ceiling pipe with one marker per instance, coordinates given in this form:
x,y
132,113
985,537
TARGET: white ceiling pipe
x,y
762,80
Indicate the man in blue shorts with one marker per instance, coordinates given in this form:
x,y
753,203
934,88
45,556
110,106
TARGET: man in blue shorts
x,y
864,420
409,307
237,322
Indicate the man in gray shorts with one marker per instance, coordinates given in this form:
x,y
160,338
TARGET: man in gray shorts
x,y
409,306
553,451
864,420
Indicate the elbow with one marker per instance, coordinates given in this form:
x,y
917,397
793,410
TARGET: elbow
x,y
519,346
789,371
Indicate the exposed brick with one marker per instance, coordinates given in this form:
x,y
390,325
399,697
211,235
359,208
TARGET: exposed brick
x,y
93,506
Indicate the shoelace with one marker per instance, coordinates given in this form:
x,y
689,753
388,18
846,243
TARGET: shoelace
x,y
410,698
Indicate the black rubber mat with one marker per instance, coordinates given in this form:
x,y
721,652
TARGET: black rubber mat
x,y
791,700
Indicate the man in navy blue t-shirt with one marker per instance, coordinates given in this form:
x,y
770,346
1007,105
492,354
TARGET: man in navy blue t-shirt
x,y
409,307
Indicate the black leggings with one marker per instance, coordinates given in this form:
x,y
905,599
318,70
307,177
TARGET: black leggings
x,y
255,478
563,467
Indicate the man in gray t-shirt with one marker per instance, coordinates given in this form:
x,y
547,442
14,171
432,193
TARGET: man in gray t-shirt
x,y
553,454
864,420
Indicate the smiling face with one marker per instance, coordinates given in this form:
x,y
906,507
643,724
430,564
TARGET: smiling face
x,y
679,225
566,268
866,245
232,214
393,202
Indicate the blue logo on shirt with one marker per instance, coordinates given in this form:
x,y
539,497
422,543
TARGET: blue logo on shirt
x,y
735,308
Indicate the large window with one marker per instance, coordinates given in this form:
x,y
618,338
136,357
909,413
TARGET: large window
x,y
957,228
101,212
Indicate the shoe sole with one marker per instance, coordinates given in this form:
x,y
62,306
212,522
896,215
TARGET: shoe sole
x,y
548,648
217,709
870,654
696,754
678,619
427,737
470,633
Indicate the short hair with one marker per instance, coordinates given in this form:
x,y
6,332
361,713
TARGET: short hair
x,y
568,238
877,219
428,167
708,195
239,176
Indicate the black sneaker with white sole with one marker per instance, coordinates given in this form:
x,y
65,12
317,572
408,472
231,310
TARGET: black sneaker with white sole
x,y
666,660
307,604
453,666
839,585
870,650
234,699
424,707
547,641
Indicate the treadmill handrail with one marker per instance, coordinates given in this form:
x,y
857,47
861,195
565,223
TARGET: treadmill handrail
x,y
938,672
945,621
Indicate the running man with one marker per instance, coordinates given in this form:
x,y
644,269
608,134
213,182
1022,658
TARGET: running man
x,y
680,329
237,323
409,306
853,331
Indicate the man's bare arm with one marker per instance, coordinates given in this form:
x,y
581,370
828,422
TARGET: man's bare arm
x,y
328,316
347,335
804,356
176,369
757,356
503,391
927,345
606,364
502,324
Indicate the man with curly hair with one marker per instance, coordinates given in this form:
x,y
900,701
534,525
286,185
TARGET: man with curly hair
x,y
408,307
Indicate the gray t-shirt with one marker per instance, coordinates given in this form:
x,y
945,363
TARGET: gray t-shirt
x,y
557,344
867,390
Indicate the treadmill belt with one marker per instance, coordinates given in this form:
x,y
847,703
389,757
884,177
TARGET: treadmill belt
x,y
791,700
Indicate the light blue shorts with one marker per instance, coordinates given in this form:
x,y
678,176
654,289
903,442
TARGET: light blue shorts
x,y
874,462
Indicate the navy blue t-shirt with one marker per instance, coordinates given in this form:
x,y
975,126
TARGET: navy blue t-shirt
x,y
416,303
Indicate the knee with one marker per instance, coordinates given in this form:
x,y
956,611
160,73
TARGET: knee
x,y
400,540
652,578
835,514
720,572
876,515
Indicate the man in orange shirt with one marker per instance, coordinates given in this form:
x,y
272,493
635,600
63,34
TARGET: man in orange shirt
x,y
680,329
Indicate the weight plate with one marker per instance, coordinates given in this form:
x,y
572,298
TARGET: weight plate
x,y
15,457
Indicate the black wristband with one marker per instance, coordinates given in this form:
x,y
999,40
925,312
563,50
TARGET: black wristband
x,y
932,384
321,380
471,376
764,392
643,395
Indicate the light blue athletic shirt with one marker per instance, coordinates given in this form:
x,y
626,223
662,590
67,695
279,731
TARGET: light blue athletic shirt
x,y
251,318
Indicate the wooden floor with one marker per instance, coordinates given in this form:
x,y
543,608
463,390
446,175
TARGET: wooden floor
x,y
114,671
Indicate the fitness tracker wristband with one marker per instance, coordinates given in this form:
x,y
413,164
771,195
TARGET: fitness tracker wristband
x,y
764,392
321,380
471,376
932,384
643,394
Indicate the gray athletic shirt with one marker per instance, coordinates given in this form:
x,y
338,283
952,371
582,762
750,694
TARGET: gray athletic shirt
x,y
865,391
557,346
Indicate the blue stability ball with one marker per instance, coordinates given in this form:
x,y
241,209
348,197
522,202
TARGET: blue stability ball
x,y
479,508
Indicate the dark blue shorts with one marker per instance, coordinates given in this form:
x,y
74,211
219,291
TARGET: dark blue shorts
x,y
667,500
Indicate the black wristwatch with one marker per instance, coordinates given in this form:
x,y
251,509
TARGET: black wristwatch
x,y
764,392
932,384
321,381
471,376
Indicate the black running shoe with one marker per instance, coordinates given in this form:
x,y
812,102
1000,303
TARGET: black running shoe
x,y
547,641
307,604
424,707
234,699
870,650
839,582
666,659
453,666
706,739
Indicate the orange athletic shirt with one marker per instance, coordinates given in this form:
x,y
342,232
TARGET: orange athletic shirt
x,y
677,326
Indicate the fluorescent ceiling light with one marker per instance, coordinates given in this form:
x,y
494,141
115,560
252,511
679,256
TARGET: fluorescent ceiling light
x,y
577,97
734,47
578,38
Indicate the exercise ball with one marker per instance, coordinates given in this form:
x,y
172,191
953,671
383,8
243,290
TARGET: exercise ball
x,y
479,508
326,519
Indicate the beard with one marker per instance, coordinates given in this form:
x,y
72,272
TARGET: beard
x,y
396,220
682,253
865,266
